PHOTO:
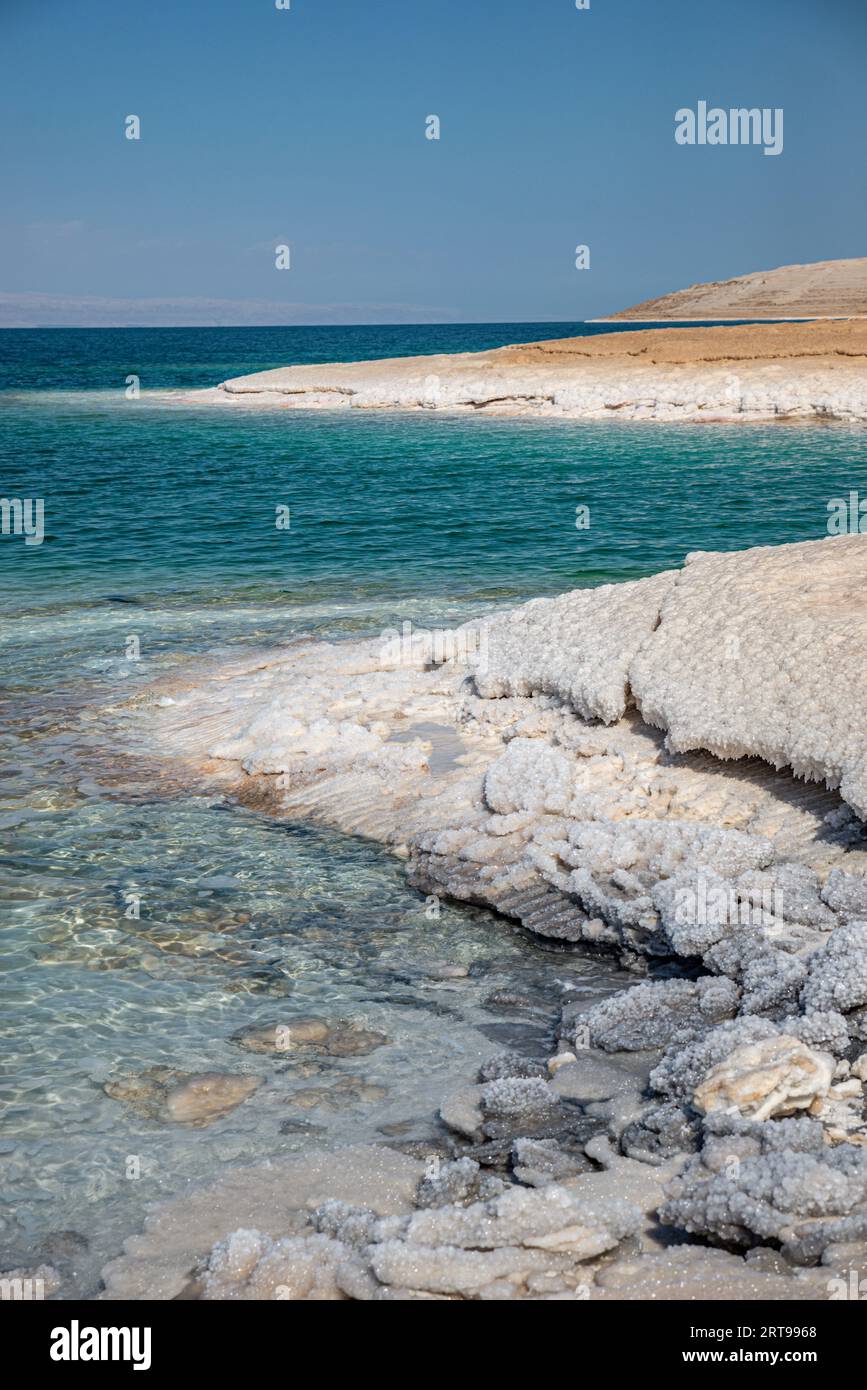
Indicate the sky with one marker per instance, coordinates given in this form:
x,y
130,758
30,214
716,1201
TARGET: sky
x,y
306,127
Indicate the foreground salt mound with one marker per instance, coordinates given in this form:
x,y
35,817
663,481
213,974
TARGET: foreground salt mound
x,y
763,652
492,777
777,1181
578,647
736,1080
757,652
522,1243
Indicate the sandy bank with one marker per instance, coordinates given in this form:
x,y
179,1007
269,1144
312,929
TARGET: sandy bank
x,y
759,372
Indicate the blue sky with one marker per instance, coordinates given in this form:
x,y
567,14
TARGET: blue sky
x,y
307,127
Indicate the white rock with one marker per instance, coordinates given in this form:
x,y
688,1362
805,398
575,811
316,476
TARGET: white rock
x,y
777,1076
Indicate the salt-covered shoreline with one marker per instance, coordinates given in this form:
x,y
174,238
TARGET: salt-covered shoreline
x,y
791,371
614,767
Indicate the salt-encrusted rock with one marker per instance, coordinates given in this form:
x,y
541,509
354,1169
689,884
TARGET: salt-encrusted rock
x,y
250,1265
689,1057
846,894
538,1162
461,1183
514,1106
765,1183
837,976
725,669
736,928
686,903
777,1076
457,1270
652,1013
510,1064
353,1226
660,1133
620,863
530,776
665,847
551,1219
826,1031
770,980
788,891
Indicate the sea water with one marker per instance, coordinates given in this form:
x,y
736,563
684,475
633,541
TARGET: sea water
x,y
144,922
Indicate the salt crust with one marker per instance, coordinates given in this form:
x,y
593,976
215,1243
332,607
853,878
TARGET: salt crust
x,y
618,835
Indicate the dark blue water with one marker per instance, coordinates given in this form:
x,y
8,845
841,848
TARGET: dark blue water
x,y
79,359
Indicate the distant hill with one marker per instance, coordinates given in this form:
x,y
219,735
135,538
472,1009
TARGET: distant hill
x,y
824,289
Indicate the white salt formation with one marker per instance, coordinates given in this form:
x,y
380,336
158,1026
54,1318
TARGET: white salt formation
x,y
675,770
522,1242
743,373
734,666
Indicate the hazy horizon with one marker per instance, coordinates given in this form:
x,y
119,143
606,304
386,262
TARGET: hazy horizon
x,y
308,127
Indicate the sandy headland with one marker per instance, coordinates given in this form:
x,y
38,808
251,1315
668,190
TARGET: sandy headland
x,y
791,371
822,289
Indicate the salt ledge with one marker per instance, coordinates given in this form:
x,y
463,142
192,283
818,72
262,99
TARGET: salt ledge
x,y
615,761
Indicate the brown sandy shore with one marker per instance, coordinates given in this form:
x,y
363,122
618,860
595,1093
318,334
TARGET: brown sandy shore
x,y
815,370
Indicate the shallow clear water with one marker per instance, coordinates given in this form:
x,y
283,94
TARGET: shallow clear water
x,y
160,526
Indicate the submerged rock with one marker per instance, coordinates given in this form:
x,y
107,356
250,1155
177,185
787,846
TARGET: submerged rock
x,y
187,1098
309,1034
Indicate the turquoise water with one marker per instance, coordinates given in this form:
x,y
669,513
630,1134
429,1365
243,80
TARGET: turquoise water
x,y
160,524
